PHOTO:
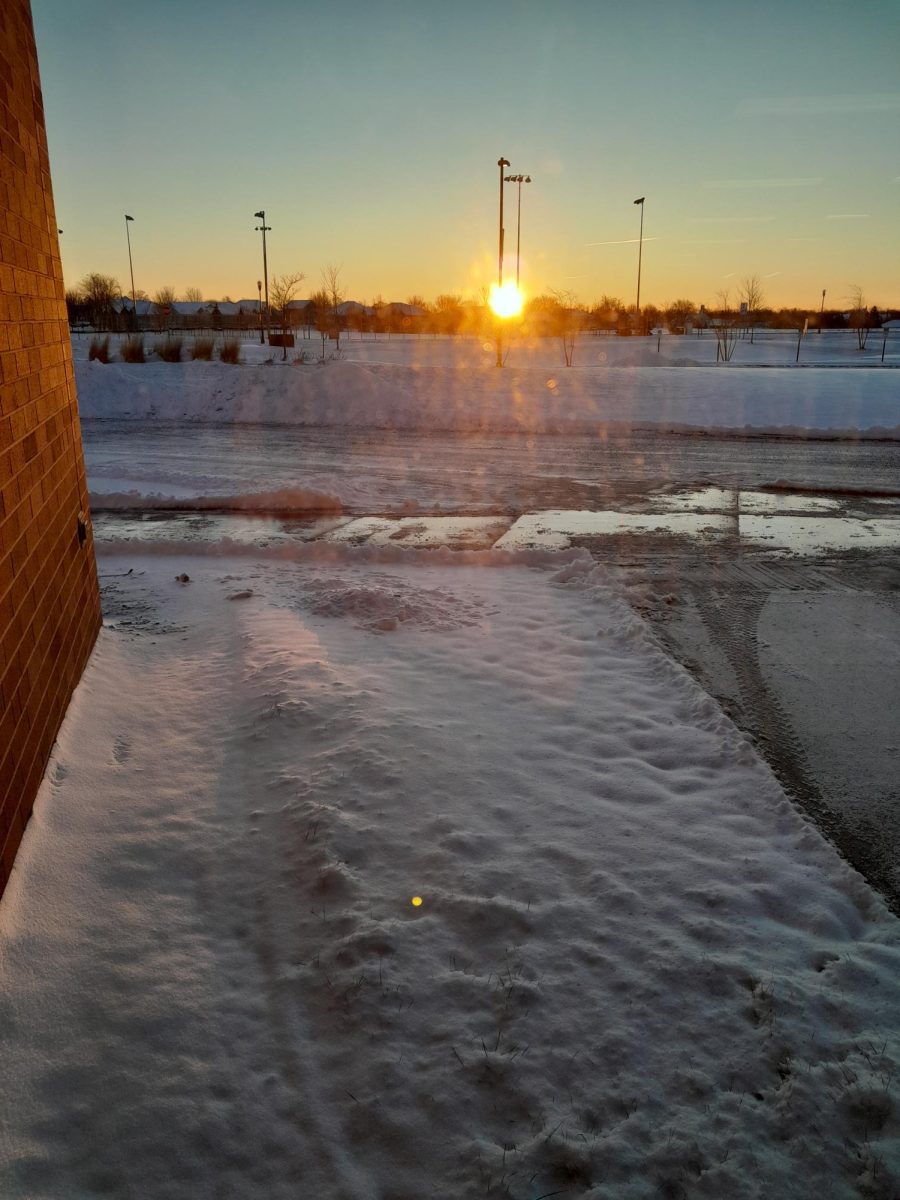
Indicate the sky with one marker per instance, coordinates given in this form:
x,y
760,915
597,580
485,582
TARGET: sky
x,y
765,138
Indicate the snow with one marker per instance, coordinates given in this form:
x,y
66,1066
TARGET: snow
x,y
283,500
636,971
837,402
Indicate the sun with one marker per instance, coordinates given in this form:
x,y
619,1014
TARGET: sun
x,y
506,300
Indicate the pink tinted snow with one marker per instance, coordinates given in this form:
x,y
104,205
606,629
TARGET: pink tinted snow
x,y
634,965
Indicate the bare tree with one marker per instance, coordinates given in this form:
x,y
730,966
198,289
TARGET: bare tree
x,y
282,291
193,295
448,313
99,293
859,315
726,330
677,313
163,299
604,312
751,294
565,321
321,313
334,292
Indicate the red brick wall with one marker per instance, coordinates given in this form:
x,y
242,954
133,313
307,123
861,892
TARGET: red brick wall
x,y
49,604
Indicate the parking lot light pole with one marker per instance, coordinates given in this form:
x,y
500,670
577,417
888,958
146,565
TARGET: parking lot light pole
x,y
519,179
131,270
640,201
501,163
263,228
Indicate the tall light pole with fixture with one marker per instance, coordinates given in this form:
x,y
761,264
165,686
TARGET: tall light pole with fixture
x,y
131,270
501,163
519,179
264,228
640,201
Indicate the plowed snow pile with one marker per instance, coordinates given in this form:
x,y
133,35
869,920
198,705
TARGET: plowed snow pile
x,y
635,970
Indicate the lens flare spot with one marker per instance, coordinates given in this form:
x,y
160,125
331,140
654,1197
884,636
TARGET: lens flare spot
x,y
417,901
506,300
551,384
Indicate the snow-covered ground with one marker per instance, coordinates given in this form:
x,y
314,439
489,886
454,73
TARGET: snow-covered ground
x,y
635,970
770,348
453,386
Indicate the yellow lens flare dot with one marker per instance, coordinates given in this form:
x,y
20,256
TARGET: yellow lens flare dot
x,y
416,901
506,300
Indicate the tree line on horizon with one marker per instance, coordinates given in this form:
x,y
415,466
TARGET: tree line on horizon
x,y
97,300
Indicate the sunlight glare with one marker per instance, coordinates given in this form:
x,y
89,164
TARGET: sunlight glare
x,y
506,300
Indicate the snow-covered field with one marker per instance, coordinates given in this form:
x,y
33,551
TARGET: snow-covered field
x,y
635,970
770,348
408,384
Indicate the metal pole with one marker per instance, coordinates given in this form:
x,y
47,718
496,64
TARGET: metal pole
x,y
259,310
822,311
501,163
264,227
131,271
266,275
640,253
519,232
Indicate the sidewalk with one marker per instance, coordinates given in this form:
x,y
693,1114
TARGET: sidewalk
x,y
634,968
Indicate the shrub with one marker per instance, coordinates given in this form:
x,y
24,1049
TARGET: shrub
x,y
230,351
203,348
169,350
133,350
99,349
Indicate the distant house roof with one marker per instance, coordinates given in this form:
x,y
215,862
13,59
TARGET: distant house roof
x,y
407,310
123,304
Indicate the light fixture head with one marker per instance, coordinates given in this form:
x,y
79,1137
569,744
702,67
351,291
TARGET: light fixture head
x,y
261,214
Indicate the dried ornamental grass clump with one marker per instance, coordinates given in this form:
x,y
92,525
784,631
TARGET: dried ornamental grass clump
x,y
230,351
202,348
169,350
133,350
99,349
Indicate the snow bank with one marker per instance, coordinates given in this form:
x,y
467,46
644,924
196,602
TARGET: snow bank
x,y
281,502
833,402
635,970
